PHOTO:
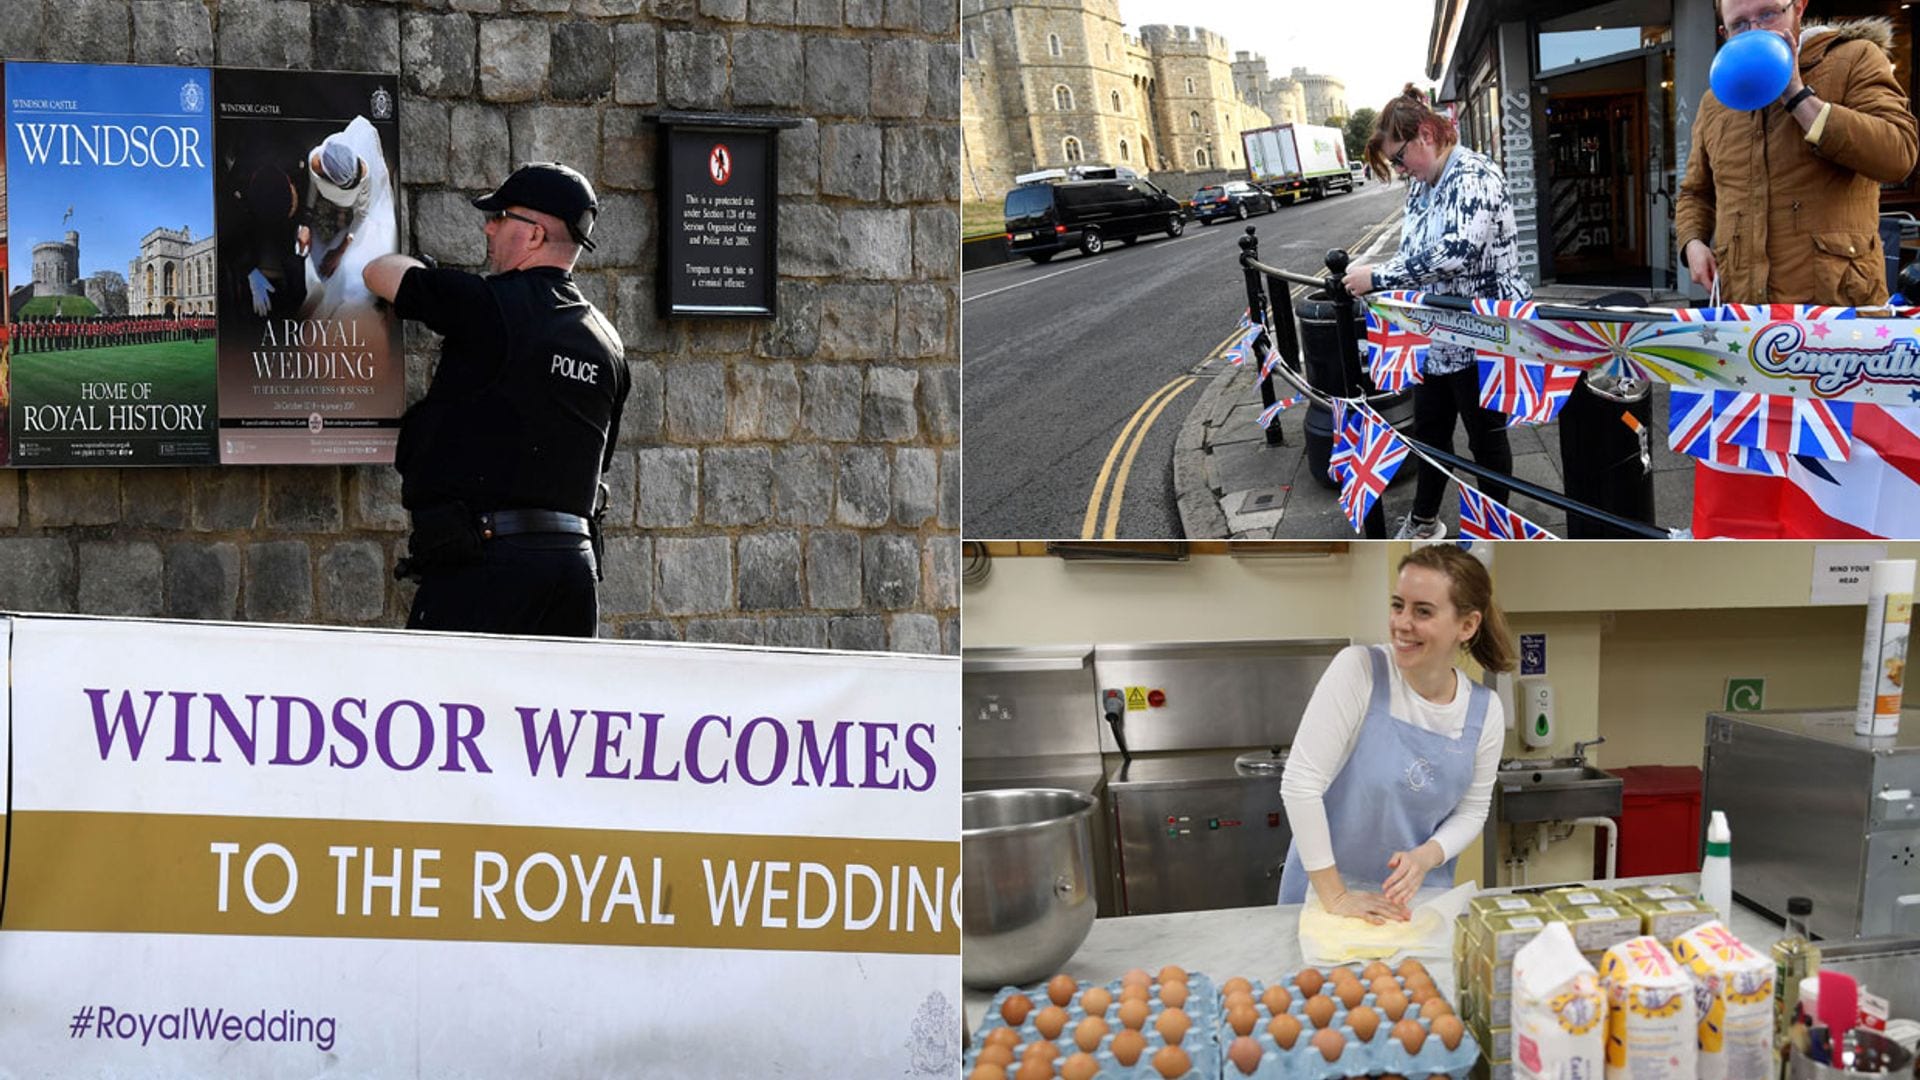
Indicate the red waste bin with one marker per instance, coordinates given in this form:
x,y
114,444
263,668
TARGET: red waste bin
x,y
1659,821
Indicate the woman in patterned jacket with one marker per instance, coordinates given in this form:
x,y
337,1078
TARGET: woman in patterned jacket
x,y
1457,239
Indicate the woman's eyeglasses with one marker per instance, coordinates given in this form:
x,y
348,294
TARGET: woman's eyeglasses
x,y
502,215
1765,20
1396,159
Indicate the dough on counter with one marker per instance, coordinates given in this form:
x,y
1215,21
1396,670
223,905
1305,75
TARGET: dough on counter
x,y
1342,939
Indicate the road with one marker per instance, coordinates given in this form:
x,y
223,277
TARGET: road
x,y
1076,374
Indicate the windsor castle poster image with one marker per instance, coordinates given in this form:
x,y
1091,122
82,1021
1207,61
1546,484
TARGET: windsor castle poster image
x,y
111,265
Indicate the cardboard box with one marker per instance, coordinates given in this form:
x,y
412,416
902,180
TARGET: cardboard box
x,y
1668,919
1506,904
1501,936
1600,927
1634,894
1579,896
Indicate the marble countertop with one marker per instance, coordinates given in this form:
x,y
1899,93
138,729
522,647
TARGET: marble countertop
x,y
1264,942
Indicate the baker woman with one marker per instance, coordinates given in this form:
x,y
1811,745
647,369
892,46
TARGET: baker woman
x,y
1391,773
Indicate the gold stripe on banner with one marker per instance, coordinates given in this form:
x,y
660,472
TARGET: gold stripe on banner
x,y
192,874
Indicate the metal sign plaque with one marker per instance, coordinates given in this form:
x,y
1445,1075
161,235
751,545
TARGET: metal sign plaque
x,y
718,244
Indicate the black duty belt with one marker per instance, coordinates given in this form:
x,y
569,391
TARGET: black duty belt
x,y
513,522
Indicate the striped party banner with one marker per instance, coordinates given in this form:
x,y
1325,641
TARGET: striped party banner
x,y
260,851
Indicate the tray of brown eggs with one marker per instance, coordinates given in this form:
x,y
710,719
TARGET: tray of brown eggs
x,y
1140,1026
1342,1022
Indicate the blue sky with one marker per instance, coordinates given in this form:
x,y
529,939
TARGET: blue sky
x,y
112,207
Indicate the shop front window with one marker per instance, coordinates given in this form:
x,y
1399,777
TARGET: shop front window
x,y
1605,30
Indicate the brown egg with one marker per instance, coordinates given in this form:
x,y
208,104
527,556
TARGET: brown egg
x,y
1393,1003
1172,1062
1050,1021
1080,1067
1245,1054
1329,1043
1435,1007
1241,1019
1061,988
1238,982
1276,999
1173,1025
1006,1036
1385,984
1095,1000
1350,993
1173,973
1448,1030
1043,1050
1410,967
1309,980
985,1071
1133,1014
997,1055
1419,978
1285,1029
1411,1035
1173,994
1135,992
1375,970
1035,1069
1238,997
1128,1046
1439,1076
1420,995
1014,1010
1320,1010
1088,1033
1136,975
1342,975
1364,1022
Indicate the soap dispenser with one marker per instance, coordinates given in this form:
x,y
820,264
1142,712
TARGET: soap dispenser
x,y
1536,713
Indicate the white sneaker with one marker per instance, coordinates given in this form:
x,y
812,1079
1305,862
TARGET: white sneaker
x,y
1428,530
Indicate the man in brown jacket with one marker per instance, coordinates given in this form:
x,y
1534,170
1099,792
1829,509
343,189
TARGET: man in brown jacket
x,y
1782,204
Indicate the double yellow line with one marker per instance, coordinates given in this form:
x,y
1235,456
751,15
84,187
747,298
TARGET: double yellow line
x,y
1127,446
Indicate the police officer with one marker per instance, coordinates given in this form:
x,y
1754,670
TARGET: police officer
x,y
500,462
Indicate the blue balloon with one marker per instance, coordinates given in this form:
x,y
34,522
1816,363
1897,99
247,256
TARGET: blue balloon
x,y
1752,70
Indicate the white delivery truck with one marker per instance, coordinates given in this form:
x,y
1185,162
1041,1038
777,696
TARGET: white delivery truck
x,y
1298,161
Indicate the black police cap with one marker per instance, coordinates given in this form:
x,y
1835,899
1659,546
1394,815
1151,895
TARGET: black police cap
x,y
551,188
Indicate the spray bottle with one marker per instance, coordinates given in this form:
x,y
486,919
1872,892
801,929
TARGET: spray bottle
x,y
1716,871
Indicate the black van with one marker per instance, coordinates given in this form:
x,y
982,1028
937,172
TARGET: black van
x,y
1044,219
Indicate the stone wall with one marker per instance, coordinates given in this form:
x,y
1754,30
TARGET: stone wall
x,y
787,482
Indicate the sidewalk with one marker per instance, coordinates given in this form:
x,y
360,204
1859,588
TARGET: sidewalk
x,y
1230,484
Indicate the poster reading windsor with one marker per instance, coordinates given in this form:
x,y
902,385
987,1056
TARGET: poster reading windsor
x,y
111,265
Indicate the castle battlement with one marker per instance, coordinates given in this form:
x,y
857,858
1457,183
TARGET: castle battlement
x,y
1185,41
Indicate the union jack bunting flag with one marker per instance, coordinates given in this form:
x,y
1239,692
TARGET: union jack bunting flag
x,y
1273,411
1348,427
1376,457
1483,519
1690,416
1506,385
1394,355
1237,353
1805,428
1553,384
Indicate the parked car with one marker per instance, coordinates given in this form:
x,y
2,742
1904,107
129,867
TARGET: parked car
x,y
1234,199
1359,169
1044,219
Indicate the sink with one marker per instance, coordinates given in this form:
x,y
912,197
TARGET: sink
x,y
1556,789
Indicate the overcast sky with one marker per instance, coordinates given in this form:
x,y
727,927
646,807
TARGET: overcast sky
x,y
1374,46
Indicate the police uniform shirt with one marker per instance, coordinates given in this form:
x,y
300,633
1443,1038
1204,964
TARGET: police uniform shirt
x,y
524,407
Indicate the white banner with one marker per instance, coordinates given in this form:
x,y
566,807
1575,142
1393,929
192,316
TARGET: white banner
x,y
276,851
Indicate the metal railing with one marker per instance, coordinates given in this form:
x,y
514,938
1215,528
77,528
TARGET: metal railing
x,y
1270,303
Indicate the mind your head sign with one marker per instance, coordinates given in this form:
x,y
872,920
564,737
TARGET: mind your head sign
x,y
280,850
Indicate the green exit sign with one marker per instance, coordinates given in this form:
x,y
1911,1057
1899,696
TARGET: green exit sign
x,y
1746,695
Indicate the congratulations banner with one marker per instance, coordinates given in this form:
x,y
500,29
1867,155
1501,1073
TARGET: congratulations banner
x,y
1828,353
264,851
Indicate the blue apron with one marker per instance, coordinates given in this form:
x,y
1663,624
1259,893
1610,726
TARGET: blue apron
x,y
1399,784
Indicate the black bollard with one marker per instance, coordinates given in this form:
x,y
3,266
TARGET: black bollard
x,y
1288,347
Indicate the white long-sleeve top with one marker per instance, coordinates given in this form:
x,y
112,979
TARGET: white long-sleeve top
x,y
1330,730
